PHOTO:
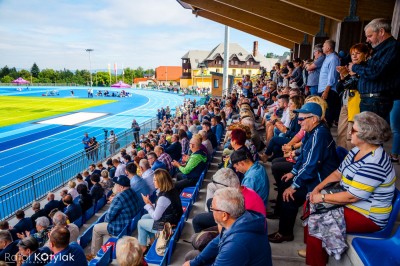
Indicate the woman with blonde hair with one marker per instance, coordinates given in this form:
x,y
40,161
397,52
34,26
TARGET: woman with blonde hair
x,y
129,252
72,189
106,182
168,208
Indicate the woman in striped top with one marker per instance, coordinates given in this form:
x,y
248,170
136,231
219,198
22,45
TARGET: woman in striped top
x,y
369,178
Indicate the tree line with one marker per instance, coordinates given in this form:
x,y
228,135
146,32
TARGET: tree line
x,y
78,77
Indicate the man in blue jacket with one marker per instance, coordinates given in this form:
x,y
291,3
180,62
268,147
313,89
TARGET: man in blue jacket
x,y
244,239
317,160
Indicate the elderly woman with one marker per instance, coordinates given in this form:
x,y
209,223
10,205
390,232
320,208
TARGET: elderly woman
x,y
42,228
368,177
72,189
206,142
129,252
168,208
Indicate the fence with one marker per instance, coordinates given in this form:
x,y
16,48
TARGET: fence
x,y
20,194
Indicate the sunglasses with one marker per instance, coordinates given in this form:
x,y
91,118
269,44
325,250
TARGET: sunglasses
x,y
301,119
217,183
353,130
216,210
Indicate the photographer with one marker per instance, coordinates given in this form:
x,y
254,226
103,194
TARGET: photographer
x,y
347,86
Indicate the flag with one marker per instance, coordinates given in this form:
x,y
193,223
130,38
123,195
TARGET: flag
x,y
109,69
115,68
123,72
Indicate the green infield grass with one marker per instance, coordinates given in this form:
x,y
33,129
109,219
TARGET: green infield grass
x,y
18,109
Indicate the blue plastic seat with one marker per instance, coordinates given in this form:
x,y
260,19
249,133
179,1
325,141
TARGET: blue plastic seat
x,y
133,224
86,236
378,251
104,259
188,194
88,214
186,207
385,232
79,222
114,241
100,204
153,258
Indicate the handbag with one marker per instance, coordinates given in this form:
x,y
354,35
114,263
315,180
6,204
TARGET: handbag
x,y
200,240
163,239
330,188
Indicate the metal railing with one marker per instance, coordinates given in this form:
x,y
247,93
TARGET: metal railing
x,y
21,193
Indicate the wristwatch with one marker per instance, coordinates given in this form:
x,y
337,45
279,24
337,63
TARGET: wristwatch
x,y
323,197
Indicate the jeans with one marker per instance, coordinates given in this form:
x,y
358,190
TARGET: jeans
x,y
145,229
378,105
275,146
333,101
280,167
395,125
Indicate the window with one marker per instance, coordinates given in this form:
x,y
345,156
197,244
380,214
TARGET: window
x,y
220,62
236,62
234,72
216,81
184,61
241,72
217,70
248,63
249,72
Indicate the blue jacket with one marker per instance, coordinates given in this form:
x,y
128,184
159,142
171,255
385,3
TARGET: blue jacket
x,y
140,186
245,243
218,130
174,150
8,253
256,178
74,211
38,258
317,160
72,255
158,164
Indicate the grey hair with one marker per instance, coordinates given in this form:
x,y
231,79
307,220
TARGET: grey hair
x,y
379,23
230,200
331,44
372,128
5,235
59,218
144,163
227,177
318,47
43,221
203,133
248,121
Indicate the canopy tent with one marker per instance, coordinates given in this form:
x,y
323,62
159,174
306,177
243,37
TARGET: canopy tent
x,y
121,84
20,81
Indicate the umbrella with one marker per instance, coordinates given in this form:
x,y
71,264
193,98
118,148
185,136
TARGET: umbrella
x,y
121,84
20,81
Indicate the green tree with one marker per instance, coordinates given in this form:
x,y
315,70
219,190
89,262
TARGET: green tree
x,y
7,79
23,73
4,71
35,70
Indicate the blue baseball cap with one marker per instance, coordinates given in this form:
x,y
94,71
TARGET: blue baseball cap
x,y
310,108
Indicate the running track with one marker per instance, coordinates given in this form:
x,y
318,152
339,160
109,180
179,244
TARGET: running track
x,y
38,145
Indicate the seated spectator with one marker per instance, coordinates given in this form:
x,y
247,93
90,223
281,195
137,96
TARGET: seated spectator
x,y
226,177
368,177
64,252
147,174
74,210
9,248
37,212
244,240
206,126
4,225
175,149
184,140
42,230
106,182
94,170
167,209
255,176
52,203
126,159
317,160
189,173
163,157
85,199
110,168
97,191
129,252
217,128
154,162
60,219
207,143
31,254
23,224
119,168
137,183
79,180
72,189
123,208
86,177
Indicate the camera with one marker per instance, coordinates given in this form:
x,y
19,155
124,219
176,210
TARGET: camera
x,y
351,83
105,130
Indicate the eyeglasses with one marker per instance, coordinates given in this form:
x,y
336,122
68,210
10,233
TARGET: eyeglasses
x,y
216,210
217,183
301,119
353,130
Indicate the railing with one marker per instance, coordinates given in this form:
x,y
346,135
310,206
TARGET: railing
x,y
20,194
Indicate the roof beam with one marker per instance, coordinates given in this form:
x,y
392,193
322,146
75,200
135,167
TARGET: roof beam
x,y
283,13
245,28
252,21
339,9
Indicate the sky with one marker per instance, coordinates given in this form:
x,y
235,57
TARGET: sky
x,y
131,33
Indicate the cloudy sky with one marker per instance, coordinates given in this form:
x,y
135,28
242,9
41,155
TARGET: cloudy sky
x,y
133,33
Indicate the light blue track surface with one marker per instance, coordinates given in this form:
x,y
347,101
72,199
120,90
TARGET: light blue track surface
x,y
38,152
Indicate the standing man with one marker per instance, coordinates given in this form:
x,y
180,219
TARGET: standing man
x,y
112,139
136,129
328,79
314,69
247,87
85,141
379,82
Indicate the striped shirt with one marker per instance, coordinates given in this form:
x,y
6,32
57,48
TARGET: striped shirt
x,y
372,180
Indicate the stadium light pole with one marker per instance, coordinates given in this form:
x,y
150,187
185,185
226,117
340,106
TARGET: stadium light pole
x,y
90,66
